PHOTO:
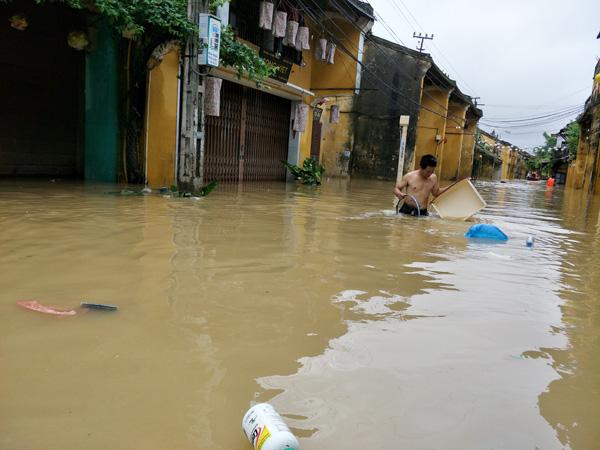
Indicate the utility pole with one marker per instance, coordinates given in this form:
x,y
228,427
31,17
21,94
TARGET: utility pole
x,y
422,38
475,101
190,171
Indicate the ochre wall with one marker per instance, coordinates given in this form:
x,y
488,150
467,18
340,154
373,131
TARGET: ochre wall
x,y
336,82
336,139
454,141
161,126
468,150
431,124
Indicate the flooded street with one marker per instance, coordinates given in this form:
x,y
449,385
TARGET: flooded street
x,y
364,329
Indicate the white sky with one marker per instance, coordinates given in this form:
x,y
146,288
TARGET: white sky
x,y
523,58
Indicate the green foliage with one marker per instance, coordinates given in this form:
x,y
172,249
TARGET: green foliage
x,y
203,192
573,132
167,17
244,59
214,4
545,157
311,171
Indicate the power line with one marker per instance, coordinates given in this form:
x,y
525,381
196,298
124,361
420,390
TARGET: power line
x,y
366,67
547,121
423,39
421,28
529,118
427,75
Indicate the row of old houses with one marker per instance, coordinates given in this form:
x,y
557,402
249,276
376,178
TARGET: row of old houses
x,y
497,159
584,168
359,104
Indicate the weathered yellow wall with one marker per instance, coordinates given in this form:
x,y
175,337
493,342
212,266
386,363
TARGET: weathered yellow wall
x,y
575,174
342,74
505,155
431,124
488,169
334,81
488,140
161,125
468,150
315,75
337,139
454,141
301,76
305,138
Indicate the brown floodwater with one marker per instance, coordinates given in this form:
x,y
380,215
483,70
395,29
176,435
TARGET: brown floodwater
x,y
364,329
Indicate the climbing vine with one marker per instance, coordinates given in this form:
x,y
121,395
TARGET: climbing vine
x,y
244,59
167,19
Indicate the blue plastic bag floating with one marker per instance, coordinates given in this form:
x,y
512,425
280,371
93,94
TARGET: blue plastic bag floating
x,y
485,231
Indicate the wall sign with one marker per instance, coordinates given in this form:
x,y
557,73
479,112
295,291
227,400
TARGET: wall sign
x,y
210,40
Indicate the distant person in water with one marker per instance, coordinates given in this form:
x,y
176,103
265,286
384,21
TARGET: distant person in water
x,y
419,184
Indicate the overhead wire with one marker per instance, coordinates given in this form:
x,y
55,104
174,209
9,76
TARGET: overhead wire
x,y
515,123
427,75
418,27
524,122
367,67
530,118
533,124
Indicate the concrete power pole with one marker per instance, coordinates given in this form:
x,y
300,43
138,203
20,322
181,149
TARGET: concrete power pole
x,y
190,171
422,38
404,122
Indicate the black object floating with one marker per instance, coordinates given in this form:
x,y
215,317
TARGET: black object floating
x,y
100,306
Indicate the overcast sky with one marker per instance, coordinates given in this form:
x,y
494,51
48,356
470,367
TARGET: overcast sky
x,y
523,58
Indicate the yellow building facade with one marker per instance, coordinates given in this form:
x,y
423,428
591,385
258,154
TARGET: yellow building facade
x,y
584,170
320,85
446,127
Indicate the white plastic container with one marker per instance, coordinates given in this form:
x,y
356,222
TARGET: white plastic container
x,y
266,430
459,202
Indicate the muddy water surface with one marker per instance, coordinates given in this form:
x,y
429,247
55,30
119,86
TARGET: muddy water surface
x,y
366,330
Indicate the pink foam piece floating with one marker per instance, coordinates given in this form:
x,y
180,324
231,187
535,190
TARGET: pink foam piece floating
x,y
35,306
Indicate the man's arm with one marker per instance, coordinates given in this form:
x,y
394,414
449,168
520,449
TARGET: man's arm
x,y
398,189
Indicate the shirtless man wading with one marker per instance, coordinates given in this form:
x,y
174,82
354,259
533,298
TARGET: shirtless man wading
x,y
420,184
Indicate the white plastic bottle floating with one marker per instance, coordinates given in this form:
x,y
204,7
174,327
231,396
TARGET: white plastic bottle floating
x,y
266,430
530,241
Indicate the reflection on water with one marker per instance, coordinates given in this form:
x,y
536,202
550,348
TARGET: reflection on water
x,y
366,330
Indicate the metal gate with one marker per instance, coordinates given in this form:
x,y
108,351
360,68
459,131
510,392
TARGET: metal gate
x,y
250,138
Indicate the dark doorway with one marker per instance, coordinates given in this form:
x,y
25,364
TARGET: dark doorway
x,y
317,131
41,87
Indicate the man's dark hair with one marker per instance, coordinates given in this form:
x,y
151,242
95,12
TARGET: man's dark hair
x,y
428,161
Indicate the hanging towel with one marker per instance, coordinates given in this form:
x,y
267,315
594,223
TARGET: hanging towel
x,y
266,16
212,96
335,114
290,34
330,53
279,24
303,39
321,50
300,117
